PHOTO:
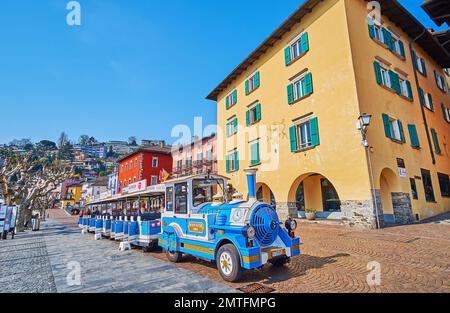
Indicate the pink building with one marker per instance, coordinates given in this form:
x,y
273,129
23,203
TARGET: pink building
x,y
197,158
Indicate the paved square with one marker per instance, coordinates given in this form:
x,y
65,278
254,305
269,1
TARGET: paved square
x,y
414,258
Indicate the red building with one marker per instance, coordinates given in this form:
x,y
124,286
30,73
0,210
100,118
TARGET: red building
x,y
144,164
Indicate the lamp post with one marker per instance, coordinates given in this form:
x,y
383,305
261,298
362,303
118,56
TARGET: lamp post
x,y
363,125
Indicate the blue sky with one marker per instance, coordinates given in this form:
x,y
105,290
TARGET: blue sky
x,y
133,68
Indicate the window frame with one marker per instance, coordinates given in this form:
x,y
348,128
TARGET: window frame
x,y
446,178
428,197
304,143
394,128
152,183
182,196
258,152
232,161
153,162
298,85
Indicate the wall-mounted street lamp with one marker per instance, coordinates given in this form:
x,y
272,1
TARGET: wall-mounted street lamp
x,y
363,125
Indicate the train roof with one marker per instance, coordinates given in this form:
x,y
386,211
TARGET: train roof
x,y
191,177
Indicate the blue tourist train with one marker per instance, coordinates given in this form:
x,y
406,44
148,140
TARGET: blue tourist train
x,y
238,235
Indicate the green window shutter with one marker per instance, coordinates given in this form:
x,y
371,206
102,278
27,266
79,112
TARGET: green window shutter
x,y
247,118
308,84
413,136
436,141
247,87
287,55
236,160
255,159
402,49
234,97
258,155
314,129
258,112
378,72
387,125
387,38
253,154
395,82
290,92
424,67
257,80
408,86
227,102
228,163
414,57
421,97
304,41
371,29
235,126
293,138
402,133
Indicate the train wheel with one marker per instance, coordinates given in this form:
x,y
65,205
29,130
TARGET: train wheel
x,y
174,257
229,263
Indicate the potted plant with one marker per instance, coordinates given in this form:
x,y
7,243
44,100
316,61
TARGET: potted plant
x,y
310,214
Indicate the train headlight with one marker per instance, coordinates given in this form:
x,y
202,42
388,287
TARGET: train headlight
x,y
291,225
251,233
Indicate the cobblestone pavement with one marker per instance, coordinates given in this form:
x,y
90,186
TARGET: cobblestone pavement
x,y
414,258
38,262
24,265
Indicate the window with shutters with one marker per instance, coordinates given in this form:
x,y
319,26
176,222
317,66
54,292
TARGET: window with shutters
x,y
300,88
189,163
444,184
296,48
255,158
414,136
232,127
378,33
397,46
232,161
386,79
252,83
421,67
440,81
428,186
446,112
403,87
393,129
428,102
304,134
231,99
386,38
253,115
434,135
180,165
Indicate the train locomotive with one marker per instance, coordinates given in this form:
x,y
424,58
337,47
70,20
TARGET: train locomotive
x,y
238,235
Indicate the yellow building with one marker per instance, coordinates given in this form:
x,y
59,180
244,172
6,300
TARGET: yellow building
x,y
291,111
73,196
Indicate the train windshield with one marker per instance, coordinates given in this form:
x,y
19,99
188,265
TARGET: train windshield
x,y
203,190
